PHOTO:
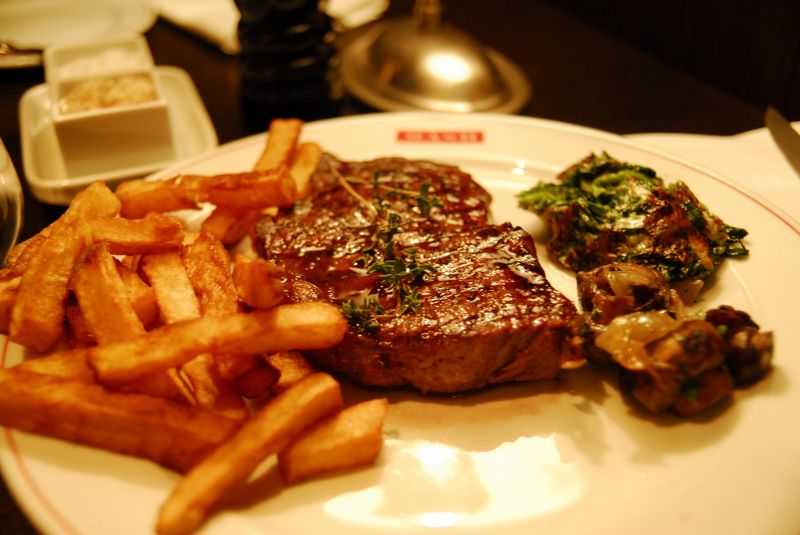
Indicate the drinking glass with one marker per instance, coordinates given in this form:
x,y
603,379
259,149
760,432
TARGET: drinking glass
x,y
10,204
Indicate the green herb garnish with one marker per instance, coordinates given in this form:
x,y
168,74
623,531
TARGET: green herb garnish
x,y
604,210
398,268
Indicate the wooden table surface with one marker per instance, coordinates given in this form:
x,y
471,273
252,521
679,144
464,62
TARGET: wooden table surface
x,y
578,74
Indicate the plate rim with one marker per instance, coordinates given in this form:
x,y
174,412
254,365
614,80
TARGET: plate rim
x,y
8,439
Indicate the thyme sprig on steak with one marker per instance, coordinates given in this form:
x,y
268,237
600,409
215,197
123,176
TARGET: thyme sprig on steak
x,y
398,267
604,210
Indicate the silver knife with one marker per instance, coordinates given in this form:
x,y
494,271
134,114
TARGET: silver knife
x,y
786,137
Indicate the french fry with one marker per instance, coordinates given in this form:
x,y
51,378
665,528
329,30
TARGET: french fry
x,y
70,364
298,326
170,434
73,364
243,191
208,266
240,191
177,302
173,290
8,296
305,162
37,317
17,261
350,439
141,296
210,389
80,333
19,257
257,282
257,381
141,197
280,145
230,225
110,316
155,233
103,298
292,367
270,430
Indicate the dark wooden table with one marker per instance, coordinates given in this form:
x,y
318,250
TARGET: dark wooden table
x,y
578,73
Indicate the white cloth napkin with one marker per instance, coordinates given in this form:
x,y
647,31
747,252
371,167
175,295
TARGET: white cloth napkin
x,y
750,159
216,20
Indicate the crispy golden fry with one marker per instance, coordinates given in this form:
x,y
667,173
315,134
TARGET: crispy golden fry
x,y
296,326
73,364
156,233
170,282
230,225
243,191
37,318
281,142
17,261
20,256
173,435
292,367
110,317
141,197
210,389
177,302
141,296
8,296
103,298
80,333
132,261
208,266
97,200
266,433
305,162
350,439
257,282
257,381
238,191
70,364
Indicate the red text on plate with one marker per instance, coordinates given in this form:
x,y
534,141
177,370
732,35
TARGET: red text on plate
x,y
440,136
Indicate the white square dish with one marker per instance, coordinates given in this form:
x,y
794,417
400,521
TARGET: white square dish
x,y
108,106
44,165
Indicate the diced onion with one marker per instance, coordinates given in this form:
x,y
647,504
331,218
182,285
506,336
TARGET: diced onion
x,y
626,336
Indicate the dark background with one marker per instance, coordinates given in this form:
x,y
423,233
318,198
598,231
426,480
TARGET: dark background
x,y
748,48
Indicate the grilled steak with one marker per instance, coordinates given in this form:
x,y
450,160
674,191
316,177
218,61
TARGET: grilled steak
x,y
437,297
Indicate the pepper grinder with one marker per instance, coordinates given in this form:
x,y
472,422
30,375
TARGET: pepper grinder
x,y
288,62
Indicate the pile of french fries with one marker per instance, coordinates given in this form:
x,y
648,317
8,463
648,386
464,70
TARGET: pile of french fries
x,y
146,339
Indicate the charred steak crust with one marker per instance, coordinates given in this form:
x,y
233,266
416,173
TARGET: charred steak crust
x,y
486,314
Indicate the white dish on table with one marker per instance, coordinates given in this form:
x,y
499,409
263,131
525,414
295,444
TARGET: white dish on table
x,y
37,24
108,106
43,163
565,456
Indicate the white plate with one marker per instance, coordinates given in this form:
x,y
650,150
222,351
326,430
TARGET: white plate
x,y
567,456
193,134
38,24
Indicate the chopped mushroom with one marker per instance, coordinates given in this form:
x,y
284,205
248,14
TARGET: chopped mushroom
x,y
615,290
749,351
686,366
